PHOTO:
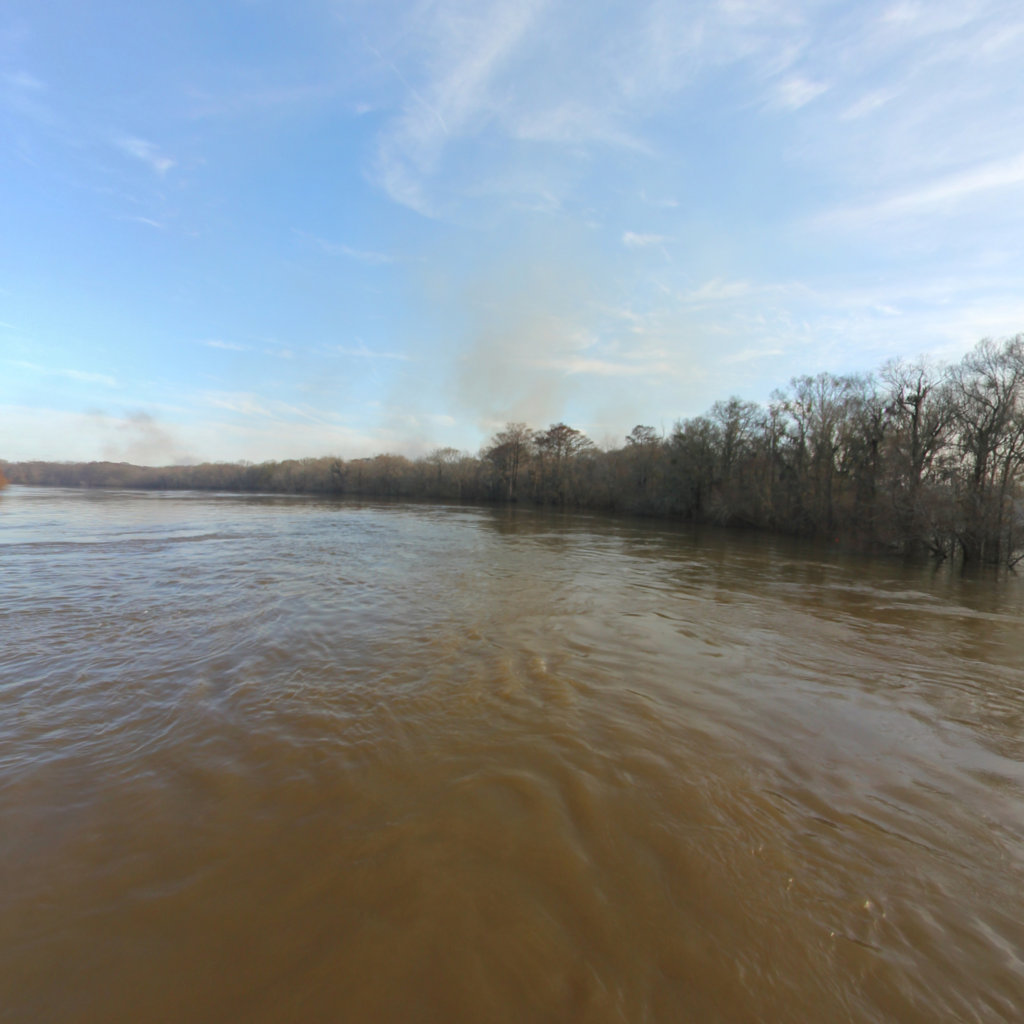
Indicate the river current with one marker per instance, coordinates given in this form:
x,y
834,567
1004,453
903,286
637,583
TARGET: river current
x,y
282,759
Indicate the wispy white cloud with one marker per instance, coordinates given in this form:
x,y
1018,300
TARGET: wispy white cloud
x,y
484,69
27,96
944,193
868,104
795,92
361,351
518,73
54,433
462,50
411,424
716,290
749,355
240,101
84,376
148,221
365,255
608,367
368,256
639,240
247,404
667,203
23,81
230,346
145,151
573,122
928,19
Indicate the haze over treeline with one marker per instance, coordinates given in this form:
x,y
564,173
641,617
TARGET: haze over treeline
x,y
920,457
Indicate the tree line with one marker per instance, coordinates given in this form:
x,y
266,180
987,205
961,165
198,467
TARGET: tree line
x,y
920,457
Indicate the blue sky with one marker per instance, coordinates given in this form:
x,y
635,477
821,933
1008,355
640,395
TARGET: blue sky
x,y
243,229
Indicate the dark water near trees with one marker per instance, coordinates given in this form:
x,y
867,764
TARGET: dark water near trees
x,y
289,760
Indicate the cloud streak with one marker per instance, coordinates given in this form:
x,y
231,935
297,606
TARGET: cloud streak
x,y
368,256
361,351
83,376
463,49
639,240
228,346
943,194
147,152
252,405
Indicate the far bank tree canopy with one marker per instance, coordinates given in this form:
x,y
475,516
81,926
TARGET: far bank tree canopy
x,y
918,458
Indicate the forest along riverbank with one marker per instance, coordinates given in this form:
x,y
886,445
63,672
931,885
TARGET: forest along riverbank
x,y
920,458
271,758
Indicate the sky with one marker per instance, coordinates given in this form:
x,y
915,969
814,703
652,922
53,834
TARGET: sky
x,y
258,229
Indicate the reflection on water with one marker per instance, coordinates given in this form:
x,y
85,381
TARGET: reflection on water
x,y
279,759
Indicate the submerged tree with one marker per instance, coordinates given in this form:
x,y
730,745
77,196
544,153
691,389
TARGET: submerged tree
x,y
693,446
509,451
818,408
987,410
557,450
643,462
923,458
919,414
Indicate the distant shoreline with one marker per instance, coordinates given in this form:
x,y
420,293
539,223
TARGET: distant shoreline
x,y
922,460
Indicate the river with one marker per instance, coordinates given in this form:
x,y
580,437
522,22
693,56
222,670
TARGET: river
x,y
283,759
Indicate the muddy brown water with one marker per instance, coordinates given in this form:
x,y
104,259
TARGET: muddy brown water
x,y
291,760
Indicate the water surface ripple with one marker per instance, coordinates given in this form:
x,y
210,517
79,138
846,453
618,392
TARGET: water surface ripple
x,y
272,759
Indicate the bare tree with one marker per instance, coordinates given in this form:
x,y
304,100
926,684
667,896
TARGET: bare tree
x,y
987,394
695,444
642,457
818,407
509,450
919,414
557,448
